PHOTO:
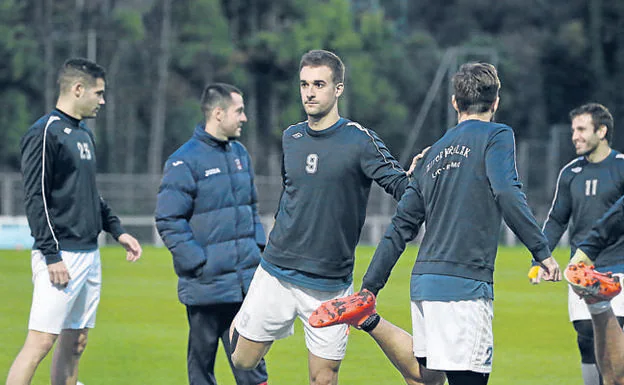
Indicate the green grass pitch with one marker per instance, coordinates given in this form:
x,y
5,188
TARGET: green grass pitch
x,y
141,331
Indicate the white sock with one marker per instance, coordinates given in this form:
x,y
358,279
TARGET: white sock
x,y
599,307
591,376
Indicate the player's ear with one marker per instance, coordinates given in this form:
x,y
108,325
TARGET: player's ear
x,y
602,131
454,103
339,89
218,113
77,89
495,104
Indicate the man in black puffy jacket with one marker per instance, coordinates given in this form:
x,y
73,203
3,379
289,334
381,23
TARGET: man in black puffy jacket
x,y
206,214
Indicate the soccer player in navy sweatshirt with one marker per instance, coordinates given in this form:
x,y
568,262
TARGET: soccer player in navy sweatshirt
x,y
462,189
329,164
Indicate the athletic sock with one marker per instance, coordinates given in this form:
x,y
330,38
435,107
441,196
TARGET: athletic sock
x,y
591,375
599,307
370,323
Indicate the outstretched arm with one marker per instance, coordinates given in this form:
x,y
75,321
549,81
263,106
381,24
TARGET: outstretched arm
x,y
378,164
605,231
404,227
500,163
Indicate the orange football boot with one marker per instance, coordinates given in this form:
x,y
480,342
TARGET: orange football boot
x,y
590,284
352,310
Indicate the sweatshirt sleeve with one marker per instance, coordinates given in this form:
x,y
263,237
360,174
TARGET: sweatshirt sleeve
x,y
174,208
560,212
500,164
379,165
403,228
38,153
110,222
606,231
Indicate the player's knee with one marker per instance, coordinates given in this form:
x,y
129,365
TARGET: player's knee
x,y
80,345
415,378
418,374
324,376
616,380
239,360
585,341
39,344
243,362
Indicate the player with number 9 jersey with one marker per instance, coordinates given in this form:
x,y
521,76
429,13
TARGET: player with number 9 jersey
x,y
328,166
327,178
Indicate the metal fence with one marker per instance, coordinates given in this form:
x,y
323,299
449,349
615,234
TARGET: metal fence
x,y
133,197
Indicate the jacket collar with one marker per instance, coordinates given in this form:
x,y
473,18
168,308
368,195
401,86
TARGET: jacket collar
x,y
201,134
75,121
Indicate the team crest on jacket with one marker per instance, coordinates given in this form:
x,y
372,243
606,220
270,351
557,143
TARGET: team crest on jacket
x,y
213,171
239,165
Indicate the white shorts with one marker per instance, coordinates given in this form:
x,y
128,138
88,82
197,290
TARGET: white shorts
x,y
577,308
271,306
455,335
74,307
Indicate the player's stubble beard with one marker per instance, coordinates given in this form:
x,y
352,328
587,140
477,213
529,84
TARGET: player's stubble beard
x,y
589,151
320,114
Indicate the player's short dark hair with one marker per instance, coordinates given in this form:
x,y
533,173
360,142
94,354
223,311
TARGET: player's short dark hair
x,y
319,57
600,116
476,87
217,95
81,69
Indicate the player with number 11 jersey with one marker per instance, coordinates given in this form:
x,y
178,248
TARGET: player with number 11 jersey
x,y
586,188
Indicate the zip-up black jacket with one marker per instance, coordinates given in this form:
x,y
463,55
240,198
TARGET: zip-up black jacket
x,y
63,206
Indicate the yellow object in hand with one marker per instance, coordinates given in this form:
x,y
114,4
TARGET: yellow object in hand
x,y
533,272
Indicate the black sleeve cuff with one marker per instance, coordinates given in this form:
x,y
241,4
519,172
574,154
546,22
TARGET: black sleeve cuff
x,y
116,230
53,258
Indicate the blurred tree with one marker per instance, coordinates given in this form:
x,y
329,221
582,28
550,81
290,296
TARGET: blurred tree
x,y
553,55
203,52
20,79
159,101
